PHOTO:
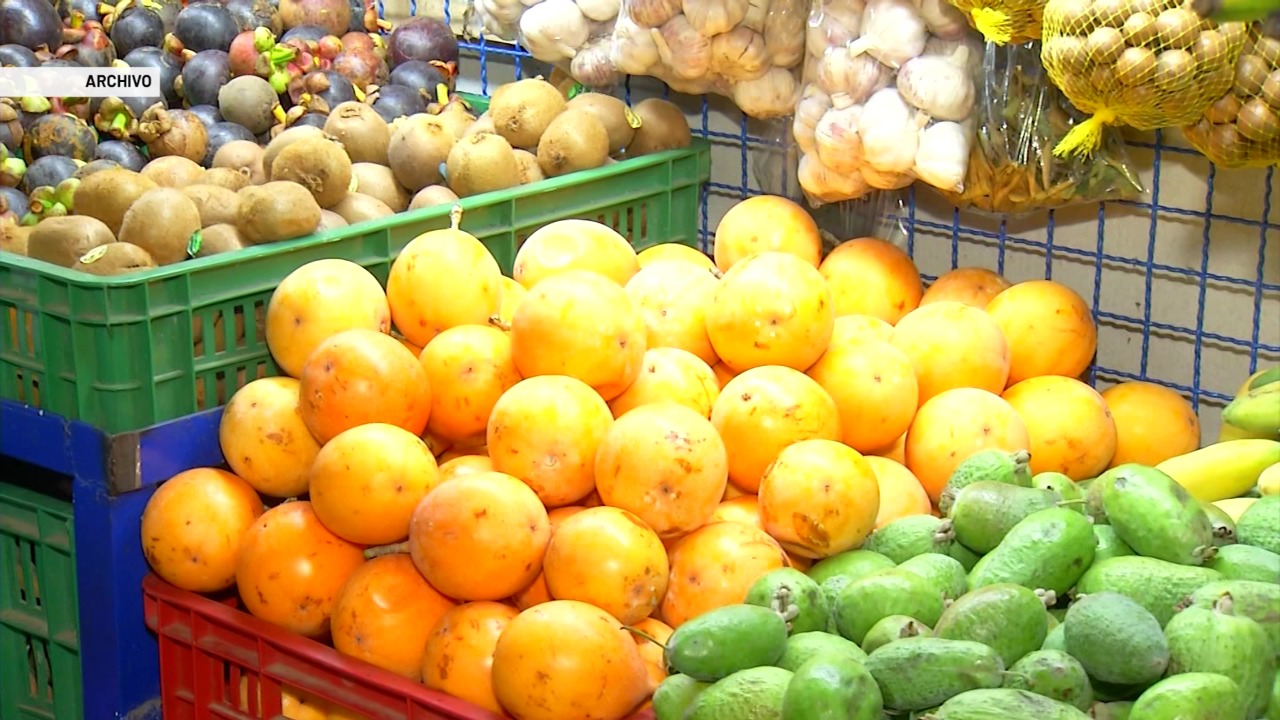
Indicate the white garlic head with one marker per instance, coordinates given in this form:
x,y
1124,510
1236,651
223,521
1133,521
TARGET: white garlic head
x,y
652,13
712,17
739,54
554,30
768,96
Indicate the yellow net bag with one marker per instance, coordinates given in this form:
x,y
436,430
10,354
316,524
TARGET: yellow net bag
x,y
1004,21
1242,128
1147,64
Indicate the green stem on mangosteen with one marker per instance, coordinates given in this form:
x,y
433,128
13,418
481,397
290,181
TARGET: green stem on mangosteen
x,y
118,122
374,552
194,243
55,210
281,55
14,167
263,39
34,104
279,81
29,219
66,192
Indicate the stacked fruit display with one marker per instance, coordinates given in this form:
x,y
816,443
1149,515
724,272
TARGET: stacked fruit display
x,y
544,493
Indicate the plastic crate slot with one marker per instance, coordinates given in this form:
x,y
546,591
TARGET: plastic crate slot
x,y
39,671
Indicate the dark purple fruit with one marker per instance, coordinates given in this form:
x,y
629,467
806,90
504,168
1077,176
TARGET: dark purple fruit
x,y
166,63
32,24
90,10
312,33
206,26
94,166
92,47
137,27
18,56
13,203
221,134
203,75
330,86
253,14
312,119
11,128
395,101
419,75
60,63
126,155
48,171
137,106
422,38
208,114
59,134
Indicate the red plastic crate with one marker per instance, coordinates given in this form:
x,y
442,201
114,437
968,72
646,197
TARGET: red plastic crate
x,y
207,647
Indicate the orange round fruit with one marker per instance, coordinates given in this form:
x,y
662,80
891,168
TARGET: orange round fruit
x,y
670,374
609,558
859,327
766,223
651,651
1070,427
901,494
770,309
1153,423
442,279
191,528
895,451
819,498
537,591
870,276
264,438
468,368
318,300
464,465
743,509
574,245
459,654
1049,329
953,345
969,285
874,387
955,424
512,293
673,297
715,566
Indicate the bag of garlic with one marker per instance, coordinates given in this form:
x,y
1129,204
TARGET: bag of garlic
x,y
573,35
1021,117
1002,21
748,50
1148,64
1242,128
888,98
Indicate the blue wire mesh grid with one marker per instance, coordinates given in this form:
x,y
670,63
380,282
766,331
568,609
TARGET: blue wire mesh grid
x,y
1184,285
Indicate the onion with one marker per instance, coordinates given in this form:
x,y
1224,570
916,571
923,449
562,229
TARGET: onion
x,y
1104,45
1174,68
1210,49
1258,122
1139,29
1271,89
1225,110
1177,28
1136,66
1251,73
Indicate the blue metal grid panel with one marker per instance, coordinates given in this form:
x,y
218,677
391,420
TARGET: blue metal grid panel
x,y
1185,285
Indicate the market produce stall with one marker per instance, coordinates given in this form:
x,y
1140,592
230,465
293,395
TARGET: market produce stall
x,y
635,373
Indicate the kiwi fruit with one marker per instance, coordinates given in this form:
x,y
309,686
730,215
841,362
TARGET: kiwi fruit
x,y
358,207
162,222
527,163
242,155
483,124
575,140
378,181
229,178
215,204
287,138
612,113
173,171
107,195
220,238
117,258
276,211
456,119
522,110
480,164
318,164
14,237
63,240
417,148
330,220
431,196
361,130
662,127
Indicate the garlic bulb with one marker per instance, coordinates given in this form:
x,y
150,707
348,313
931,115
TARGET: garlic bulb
x,y
825,186
886,180
829,30
809,111
593,67
599,10
652,13
838,144
784,31
554,30
757,12
712,17
500,18
942,158
889,132
943,19
892,32
941,87
632,51
694,86
685,51
771,95
840,71
739,54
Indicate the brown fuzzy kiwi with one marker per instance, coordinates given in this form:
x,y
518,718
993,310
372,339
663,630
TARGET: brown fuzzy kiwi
x,y
228,178
276,211
63,240
220,238
431,196
287,138
216,204
173,132
330,220
417,148
358,207
173,171
575,140
361,130
522,110
527,163
662,127
456,118
107,195
242,155
612,112
14,237
117,258
483,124
378,181
480,164
318,164
162,222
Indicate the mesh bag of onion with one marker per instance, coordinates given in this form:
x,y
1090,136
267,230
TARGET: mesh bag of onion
x,y
1242,128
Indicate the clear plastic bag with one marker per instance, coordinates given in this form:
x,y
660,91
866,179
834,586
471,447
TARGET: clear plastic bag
x,y
747,50
1021,117
1242,128
888,98
1004,21
572,35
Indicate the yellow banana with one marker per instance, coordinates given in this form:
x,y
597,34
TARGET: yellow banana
x,y
1223,470
1269,481
1235,507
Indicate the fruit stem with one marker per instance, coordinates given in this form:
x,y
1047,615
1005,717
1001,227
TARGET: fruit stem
x,y
373,552
781,604
644,635
455,217
1022,457
1048,597
499,323
1225,605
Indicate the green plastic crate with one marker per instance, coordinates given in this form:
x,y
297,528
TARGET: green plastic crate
x,y
39,638
125,353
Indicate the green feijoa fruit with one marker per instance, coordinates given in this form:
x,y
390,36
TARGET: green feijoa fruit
x,y
785,587
1053,674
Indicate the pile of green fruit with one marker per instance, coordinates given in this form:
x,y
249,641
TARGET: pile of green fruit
x,y
1034,598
